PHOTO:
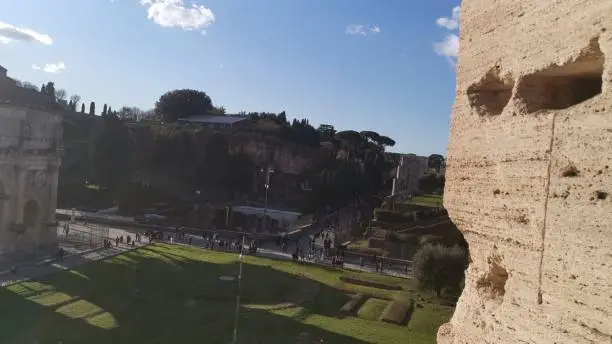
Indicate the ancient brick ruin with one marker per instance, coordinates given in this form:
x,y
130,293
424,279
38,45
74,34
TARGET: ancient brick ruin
x,y
529,174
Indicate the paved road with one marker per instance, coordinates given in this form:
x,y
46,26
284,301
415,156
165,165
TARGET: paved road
x,y
271,250
47,266
351,261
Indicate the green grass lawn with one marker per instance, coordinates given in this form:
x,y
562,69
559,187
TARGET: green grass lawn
x,y
372,308
169,294
427,200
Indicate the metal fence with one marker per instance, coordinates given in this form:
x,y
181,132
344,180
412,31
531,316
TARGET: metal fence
x,y
82,235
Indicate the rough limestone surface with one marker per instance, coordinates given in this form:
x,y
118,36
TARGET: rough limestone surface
x,y
529,172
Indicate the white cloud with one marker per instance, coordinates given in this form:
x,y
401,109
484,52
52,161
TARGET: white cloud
x,y
174,13
10,33
449,47
362,30
451,23
55,67
51,67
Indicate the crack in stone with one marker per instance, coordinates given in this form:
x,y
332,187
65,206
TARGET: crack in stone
x,y
546,196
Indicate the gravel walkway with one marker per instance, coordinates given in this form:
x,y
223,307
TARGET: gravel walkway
x,y
44,267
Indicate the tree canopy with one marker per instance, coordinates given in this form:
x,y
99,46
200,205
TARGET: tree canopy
x,y
358,172
435,161
110,157
439,267
177,104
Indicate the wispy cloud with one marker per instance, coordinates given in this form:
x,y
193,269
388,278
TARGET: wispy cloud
x,y
175,14
362,29
51,67
451,23
449,47
10,33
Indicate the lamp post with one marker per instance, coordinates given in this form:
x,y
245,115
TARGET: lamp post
x,y
196,204
268,171
237,310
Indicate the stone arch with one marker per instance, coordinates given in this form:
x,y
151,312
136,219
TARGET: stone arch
x,y
31,215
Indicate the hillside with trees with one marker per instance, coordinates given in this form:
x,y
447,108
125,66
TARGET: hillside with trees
x,y
132,156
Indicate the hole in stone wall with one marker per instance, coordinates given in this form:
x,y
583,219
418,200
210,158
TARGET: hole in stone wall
x,y
490,95
494,282
560,87
601,195
570,170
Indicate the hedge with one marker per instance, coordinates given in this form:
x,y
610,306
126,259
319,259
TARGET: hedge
x,y
385,215
351,305
397,312
367,283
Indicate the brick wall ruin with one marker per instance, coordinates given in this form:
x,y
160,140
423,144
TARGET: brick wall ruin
x,y
529,174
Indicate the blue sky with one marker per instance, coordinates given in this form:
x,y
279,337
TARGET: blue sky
x,y
386,66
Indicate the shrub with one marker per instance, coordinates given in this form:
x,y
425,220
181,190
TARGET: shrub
x,y
440,267
389,216
351,305
368,283
397,312
372,309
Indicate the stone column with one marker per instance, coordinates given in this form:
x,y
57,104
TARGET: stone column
x,y
20,186
52,184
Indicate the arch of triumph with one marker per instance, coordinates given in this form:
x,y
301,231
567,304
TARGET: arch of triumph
x,y
30,155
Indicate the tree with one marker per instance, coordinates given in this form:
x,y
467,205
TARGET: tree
x,y
282,117
49,90
386,141
104,110
440,267
29,86
359,171
183,103
129,113
60,95
435,161
83,108
92,108
75,99
211,165
240,176
431,183
326,131
110,155
217,111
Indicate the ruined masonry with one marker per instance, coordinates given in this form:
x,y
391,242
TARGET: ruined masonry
x,y
529,174
30,157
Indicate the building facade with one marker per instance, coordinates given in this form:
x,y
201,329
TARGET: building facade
x,y
30,156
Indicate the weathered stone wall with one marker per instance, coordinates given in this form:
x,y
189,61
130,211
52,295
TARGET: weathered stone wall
x,y
529,174
30,140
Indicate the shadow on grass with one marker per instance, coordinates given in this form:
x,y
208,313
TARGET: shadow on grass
x,y
156,295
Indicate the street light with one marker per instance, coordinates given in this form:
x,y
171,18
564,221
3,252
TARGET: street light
x,y
196,204
268,171
237,311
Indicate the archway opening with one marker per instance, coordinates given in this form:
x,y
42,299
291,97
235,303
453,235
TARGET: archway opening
x,y
31,215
